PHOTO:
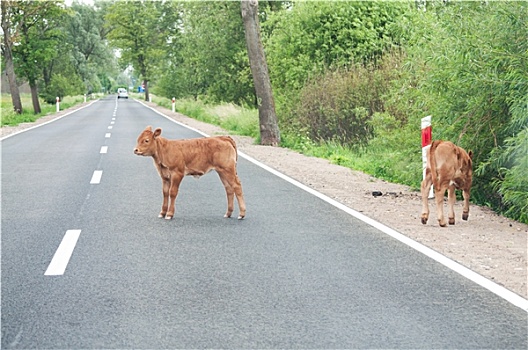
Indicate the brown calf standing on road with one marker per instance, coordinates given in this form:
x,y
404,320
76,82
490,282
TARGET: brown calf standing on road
x,y
175,159
449,167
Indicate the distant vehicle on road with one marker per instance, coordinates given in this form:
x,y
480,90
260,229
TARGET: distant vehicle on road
x,y
122,93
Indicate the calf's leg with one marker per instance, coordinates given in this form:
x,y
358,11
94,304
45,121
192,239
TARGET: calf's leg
x,y
230,193
240,198
426,186
232,187
165,204
439,197
175,181
451,197
465,212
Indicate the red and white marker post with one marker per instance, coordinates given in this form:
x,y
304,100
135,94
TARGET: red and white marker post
x,y
173,104
57,99
427,139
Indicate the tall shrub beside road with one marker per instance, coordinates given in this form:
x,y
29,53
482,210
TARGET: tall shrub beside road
x,y
317,52
469,67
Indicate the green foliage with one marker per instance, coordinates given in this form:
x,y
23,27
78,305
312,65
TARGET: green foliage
x,y
209,56
328,109
141,29
510,163
467,67
61,86
338,105
87,50
12,119
38,26
239,120
312,36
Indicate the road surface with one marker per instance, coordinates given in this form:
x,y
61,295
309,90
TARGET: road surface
x,y
86,263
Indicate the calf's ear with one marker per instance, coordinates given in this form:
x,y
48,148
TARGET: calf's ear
x,y
148,128
157,132
470,154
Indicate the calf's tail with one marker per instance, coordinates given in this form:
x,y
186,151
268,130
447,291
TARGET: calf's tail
x,y
432,160
233,143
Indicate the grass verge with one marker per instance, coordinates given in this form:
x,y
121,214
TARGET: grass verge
x,y
9,117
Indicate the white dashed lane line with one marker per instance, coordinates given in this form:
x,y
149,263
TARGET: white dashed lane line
x,y
96,177
63,254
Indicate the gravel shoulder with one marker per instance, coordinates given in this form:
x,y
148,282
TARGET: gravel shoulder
x,y
489,244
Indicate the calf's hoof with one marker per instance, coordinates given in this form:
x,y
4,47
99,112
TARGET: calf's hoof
x,y
227,215
451,221
465,216
424,219
442,223
240,217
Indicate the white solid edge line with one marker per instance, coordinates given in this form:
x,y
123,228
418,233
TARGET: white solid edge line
x,y
96,177
501,291
50,121
493,287
62,256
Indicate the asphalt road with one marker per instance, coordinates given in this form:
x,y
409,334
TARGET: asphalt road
x,y
296,273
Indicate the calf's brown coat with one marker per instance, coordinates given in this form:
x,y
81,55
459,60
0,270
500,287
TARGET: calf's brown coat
x,y
449,167
175,159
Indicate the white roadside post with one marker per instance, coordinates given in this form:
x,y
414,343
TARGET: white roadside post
x,y
173,104
427,136
84,97
57,99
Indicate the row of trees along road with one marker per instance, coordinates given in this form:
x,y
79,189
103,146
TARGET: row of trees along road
x,y
350,74
142,31
58,50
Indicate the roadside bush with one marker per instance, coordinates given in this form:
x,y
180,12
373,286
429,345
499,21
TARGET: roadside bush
x,y
330,109
61,86
338,105
467,67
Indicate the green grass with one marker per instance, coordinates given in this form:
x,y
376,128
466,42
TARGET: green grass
x,y
9,117
238,120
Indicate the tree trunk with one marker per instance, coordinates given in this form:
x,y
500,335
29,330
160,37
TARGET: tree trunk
x,y
34,96
8,57
147,97
269,129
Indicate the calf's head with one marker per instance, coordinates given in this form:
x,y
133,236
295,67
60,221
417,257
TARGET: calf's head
x,y
145,143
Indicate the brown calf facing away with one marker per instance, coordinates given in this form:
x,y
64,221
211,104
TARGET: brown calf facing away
x,y
449,167
175,159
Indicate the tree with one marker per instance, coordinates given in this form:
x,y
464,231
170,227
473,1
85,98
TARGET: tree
x,y
92,58
141,30
8,55
269,129
304,41
193,69
38,31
